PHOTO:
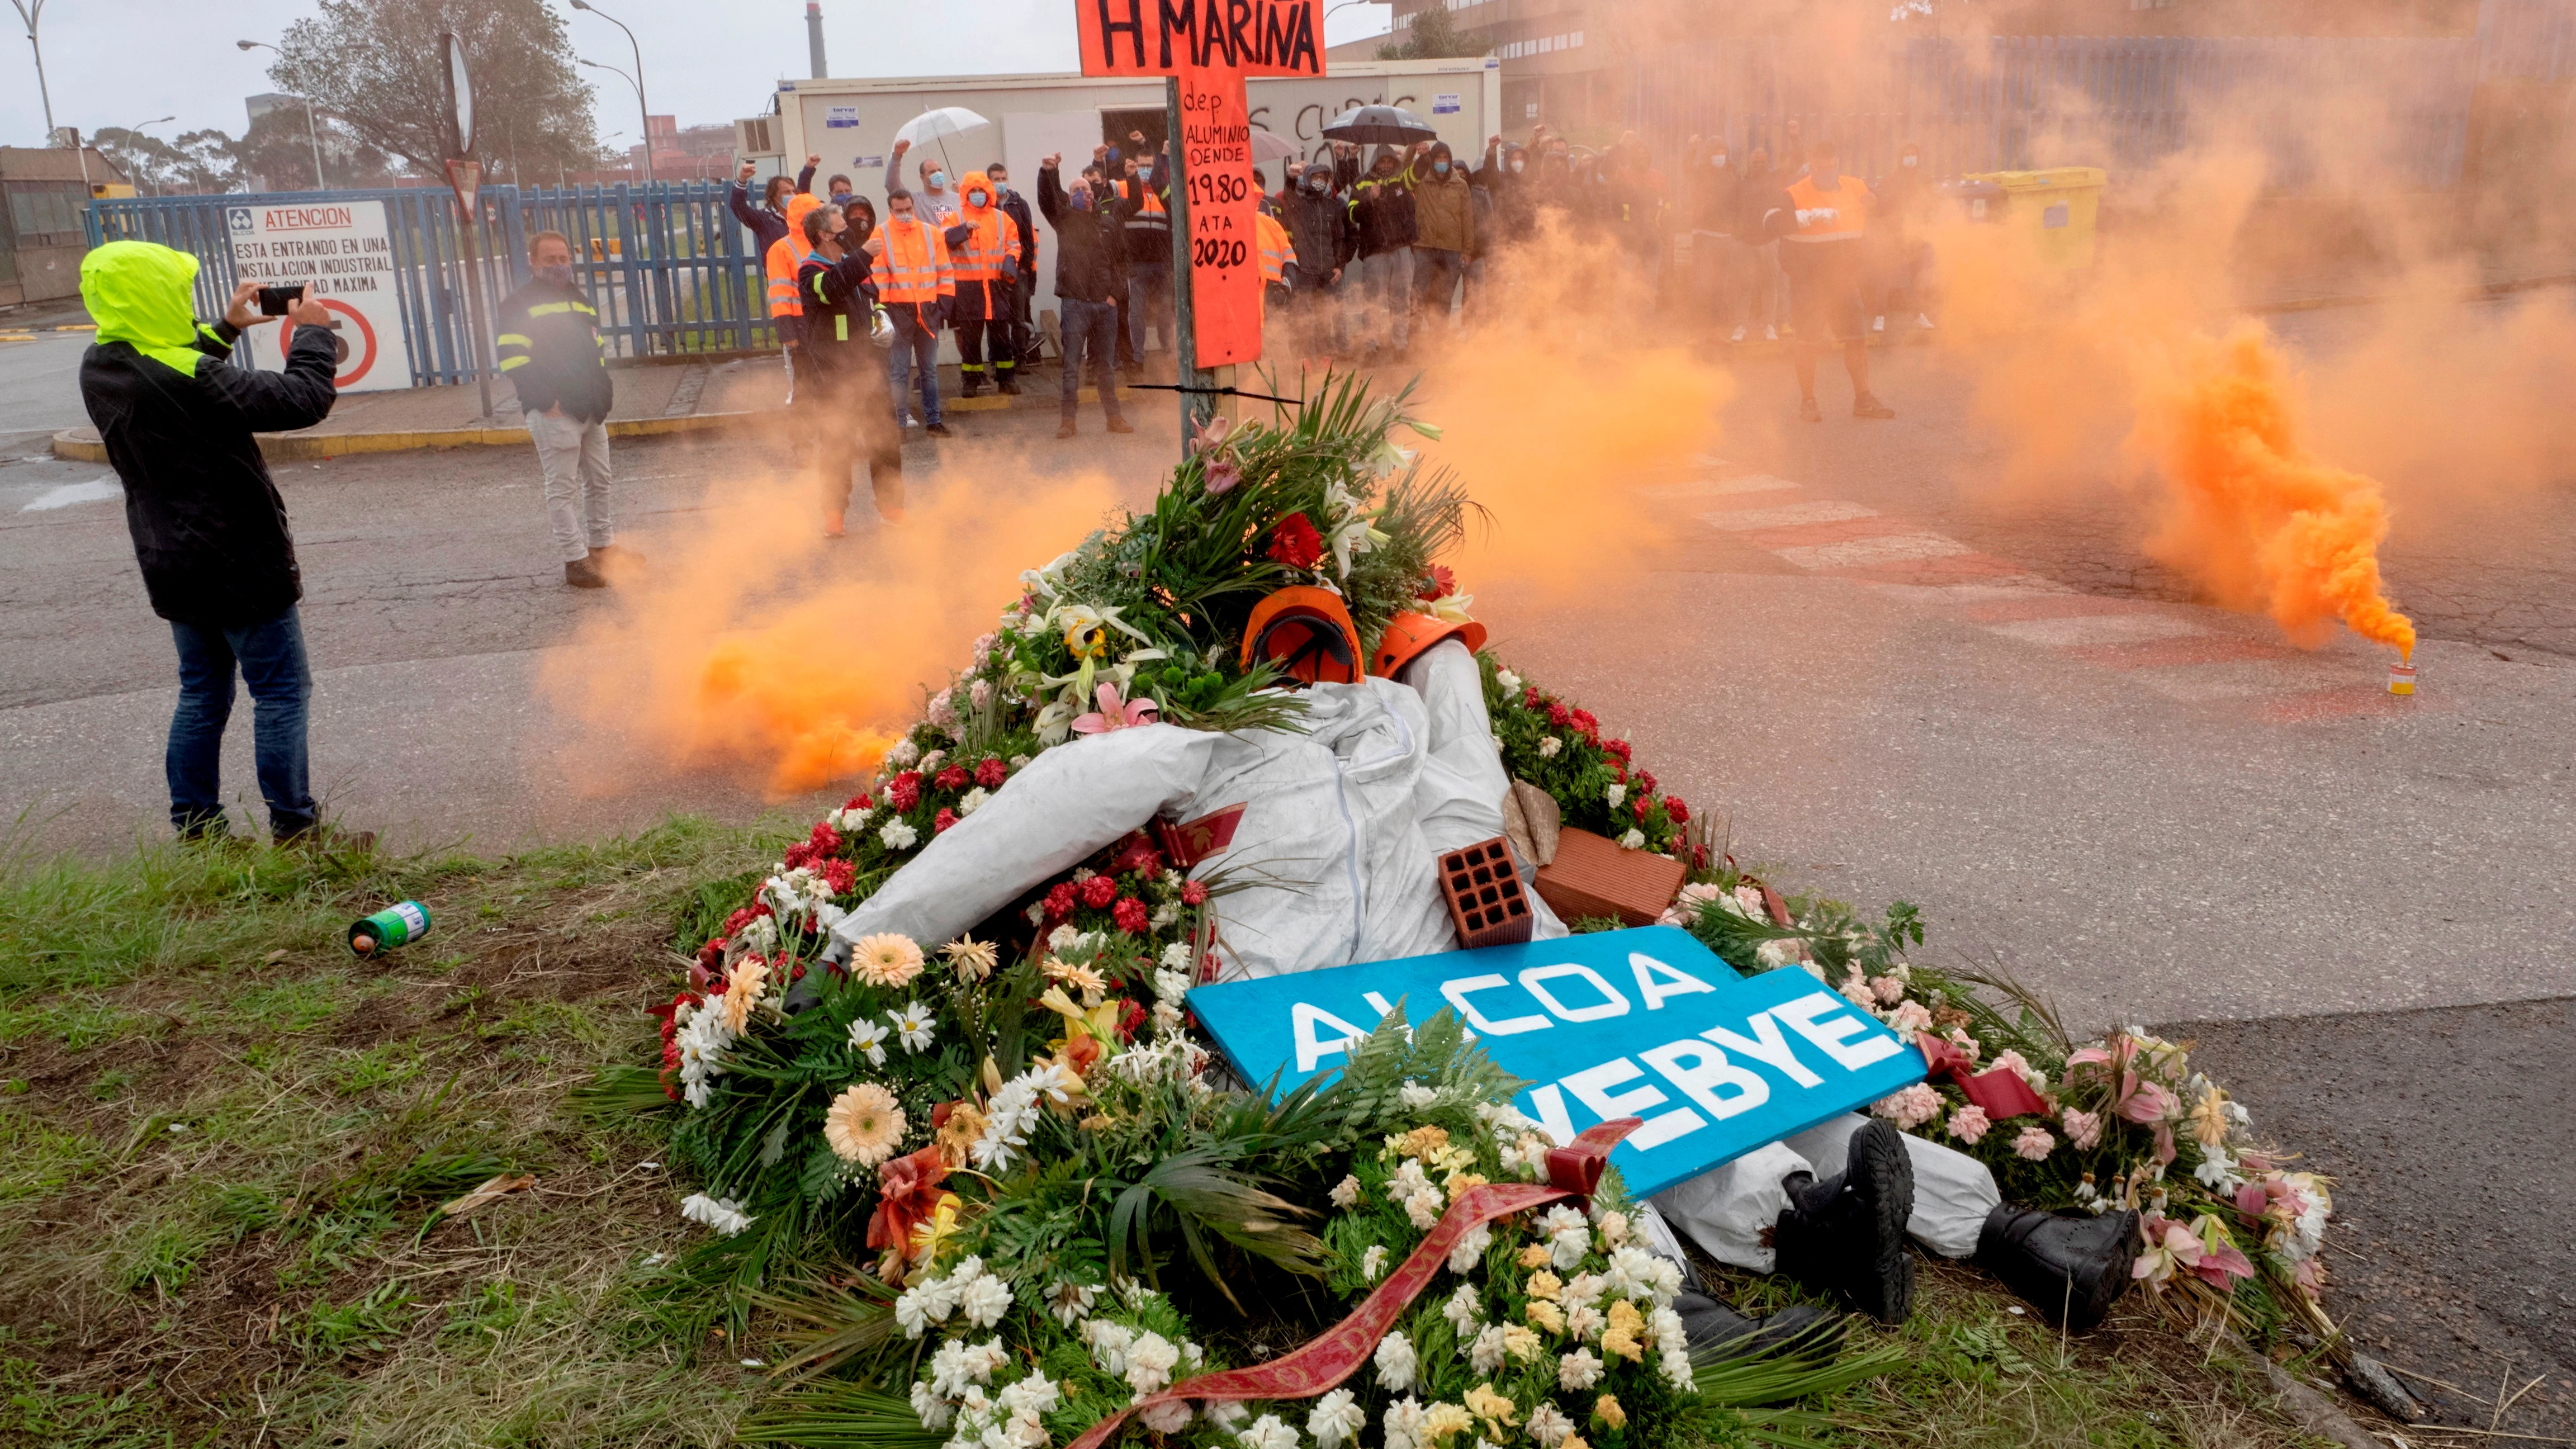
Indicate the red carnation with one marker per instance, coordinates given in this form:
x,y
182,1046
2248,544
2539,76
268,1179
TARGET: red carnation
x,y
798,856
840,875
1130,1019
825,840
1530,697
1439,584
1558,715
1059,900
1141,858
1590,727
905,792
859,802
1646,781
941,821
1131,916
989,774
1614,747
953,778
1099,891
1679,812
1294,542
1639,807
1193,893
711,955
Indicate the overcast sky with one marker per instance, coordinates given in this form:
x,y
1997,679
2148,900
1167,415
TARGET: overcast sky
x,y
120,62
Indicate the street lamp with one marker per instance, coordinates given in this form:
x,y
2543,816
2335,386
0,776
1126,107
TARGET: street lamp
x,y
310,134
639,100
136,130
638,78
29,11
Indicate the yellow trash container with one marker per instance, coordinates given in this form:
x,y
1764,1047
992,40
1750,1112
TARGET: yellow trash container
x,y
2055,207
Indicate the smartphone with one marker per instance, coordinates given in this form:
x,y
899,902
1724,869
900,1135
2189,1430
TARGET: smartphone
x,y
273,301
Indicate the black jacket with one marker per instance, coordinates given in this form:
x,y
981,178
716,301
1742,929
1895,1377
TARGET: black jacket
x,y
1319,227
209,527
1090,245
1515,214
548,342
1382,212
766,226
839,299
1016,206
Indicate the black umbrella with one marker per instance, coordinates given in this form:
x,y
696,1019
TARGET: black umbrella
x,y
1380,126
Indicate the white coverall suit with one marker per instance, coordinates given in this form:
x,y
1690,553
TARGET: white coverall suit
x,y
1343,824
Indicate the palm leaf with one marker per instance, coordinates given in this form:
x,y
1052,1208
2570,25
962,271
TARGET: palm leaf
x,y
836,1321
835,1415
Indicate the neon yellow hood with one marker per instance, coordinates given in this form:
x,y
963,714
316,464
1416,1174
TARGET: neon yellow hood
x,y
139,293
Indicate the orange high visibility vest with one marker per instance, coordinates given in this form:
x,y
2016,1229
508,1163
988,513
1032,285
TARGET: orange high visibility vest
x,y
914,266
1276,250
992,247
781,264
1849,202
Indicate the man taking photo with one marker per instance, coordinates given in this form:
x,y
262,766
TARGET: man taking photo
x,y
209,527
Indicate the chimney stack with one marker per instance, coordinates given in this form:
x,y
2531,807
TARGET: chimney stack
x,y
814,37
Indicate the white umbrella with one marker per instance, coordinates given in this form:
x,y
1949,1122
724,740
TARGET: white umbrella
x,y
1270,146
938,126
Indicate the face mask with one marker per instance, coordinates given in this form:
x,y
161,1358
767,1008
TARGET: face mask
x,y
1908,160
1316,184
975,198
1717,160
1440,168
559,273
938,180
1082,201
1519,166
840,198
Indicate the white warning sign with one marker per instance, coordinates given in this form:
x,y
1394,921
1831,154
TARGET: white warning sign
x,y
342,252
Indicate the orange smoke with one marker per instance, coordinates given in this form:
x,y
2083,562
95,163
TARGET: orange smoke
x,y
756,645
2249,513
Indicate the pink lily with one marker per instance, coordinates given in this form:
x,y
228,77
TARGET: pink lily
x,y
2170,1247
1115,714
2219,1258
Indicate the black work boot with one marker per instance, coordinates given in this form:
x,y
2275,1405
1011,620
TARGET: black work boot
x,y
1010,384
1847,1232
2071,1268
1716,1331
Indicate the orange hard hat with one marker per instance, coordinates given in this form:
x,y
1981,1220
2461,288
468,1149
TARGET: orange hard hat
x,y
1407,635
1307,632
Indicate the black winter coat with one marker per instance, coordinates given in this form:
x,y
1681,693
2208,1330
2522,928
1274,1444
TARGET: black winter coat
x,y
209,527
1090,245
548,342
1319,227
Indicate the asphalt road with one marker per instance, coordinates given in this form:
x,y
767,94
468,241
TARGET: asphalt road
x,y
1894,680
40,383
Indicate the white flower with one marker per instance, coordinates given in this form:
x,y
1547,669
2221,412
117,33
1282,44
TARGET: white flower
x,y
1337,1418
1632,1273
1578,1370
1485,1353
1035,1394
1109,1343
903,754
1463,1310
1583,1290
1062,939
1548,1424
1227,1413
1510,682
1416,1096
934,1411
1616,792
1071,1302
722,1214
867,1037
1583,1321
971,801
758,934
898,835
930,762
1267,1432
1167,1019
1168,1417
914,1025
1567,1246
1371,1261
1019,762
1633,840
849,820
1150,1362
985,1301
1396,1362
1471,1248
1548,745
1403,1422
1171,983
1346,1193
1676,1364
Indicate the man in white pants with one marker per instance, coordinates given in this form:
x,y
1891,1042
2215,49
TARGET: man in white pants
x,y
549,345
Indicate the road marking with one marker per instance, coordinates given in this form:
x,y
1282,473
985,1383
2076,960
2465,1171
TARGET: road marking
x,y
97,490
1869,552
1718,487
2081,629
1787,515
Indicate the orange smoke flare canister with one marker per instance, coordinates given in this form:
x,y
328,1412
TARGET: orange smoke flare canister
x,y
2401,679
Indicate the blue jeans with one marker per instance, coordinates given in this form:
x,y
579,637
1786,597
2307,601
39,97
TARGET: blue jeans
x,y
914,345
1149,305
1089,327
270,657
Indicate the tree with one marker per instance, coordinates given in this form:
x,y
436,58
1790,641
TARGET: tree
x,y
277,154
1435,36
376,65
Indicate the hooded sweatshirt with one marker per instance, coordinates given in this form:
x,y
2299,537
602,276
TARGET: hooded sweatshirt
x,y
1444,215
179,423
1382,208
984,245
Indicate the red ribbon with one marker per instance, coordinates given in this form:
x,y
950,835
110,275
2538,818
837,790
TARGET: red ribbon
x,y
2001,1092
1573,1172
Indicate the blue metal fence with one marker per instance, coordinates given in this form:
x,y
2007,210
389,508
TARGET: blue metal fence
x,y
2013,103
670,268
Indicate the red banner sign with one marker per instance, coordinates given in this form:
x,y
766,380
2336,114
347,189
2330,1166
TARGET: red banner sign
x,y
1215,145
1173,37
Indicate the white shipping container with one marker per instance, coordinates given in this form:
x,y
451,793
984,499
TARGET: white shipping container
x,y
850,122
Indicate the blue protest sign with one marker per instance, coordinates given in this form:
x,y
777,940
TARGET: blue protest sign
x,y
1644,1023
